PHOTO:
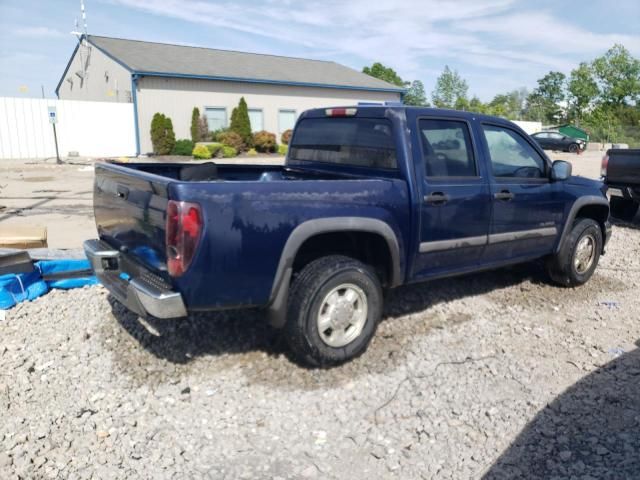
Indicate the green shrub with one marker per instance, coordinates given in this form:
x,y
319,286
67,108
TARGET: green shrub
x,y
162,137
229,152
195,120
283,149
264,141
286,136
231,139
217,133
252,152
183,147
241,124
215,148
201,152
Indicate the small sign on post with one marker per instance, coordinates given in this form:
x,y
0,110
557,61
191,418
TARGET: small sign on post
x,y
53,116
53,119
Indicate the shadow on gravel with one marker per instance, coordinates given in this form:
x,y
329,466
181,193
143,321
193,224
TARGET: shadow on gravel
x,y
633,224
242,339
592,430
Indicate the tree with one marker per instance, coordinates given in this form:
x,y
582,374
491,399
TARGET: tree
x,y
415,95
582,90
240,122
508,105
476,105
203,129
451,89
379,71
618,74
195,131
548,96
163,138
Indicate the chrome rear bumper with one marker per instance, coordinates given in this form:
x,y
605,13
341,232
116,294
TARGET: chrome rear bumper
x,y
140,291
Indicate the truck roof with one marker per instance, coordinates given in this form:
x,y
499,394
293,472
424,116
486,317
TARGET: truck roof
x,y
380,110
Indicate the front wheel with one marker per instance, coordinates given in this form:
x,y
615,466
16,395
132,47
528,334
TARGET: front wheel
x,y
573,148
578,257
334,307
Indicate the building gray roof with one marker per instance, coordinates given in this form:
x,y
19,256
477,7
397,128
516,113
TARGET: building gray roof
x,y
178,60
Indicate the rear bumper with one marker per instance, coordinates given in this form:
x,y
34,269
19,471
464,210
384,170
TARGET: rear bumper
x,y
138,289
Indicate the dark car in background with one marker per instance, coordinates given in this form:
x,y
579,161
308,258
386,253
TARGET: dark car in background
x,y
558,141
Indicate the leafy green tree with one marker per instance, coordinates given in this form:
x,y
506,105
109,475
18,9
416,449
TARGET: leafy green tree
x,y
451,89
582,90
476,105
195,131
379,71
415,95
618,74
241,124
547,97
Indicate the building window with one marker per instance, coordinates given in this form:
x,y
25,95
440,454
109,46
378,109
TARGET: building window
x,y
286,119
255,117
216,118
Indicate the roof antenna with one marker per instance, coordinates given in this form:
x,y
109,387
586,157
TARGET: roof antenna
x,y
84,50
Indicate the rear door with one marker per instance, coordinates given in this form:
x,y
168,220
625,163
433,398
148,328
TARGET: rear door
x,y
527,206
456,206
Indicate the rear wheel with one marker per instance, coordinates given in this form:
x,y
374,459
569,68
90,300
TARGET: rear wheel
x,y
578,257
334,307
623,208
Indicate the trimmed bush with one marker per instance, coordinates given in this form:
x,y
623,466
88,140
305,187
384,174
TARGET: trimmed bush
x,y
214,148
201,152
264,141
283,149
252,152
162,137
229,152
286,136
231,139
195,128
183,147
241,124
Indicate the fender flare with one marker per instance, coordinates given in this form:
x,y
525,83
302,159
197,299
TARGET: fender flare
x,y
280,287
575,208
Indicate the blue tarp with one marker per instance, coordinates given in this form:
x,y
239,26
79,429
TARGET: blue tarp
x,y
16,288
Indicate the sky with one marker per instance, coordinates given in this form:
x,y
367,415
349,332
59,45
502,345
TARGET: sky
x,y
496,45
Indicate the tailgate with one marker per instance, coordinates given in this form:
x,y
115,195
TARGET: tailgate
x,y
623,167
129,207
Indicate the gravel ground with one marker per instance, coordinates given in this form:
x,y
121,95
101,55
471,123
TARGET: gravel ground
x,y
496,374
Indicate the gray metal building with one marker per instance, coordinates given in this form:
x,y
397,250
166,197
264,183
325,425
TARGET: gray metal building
x,y
172,79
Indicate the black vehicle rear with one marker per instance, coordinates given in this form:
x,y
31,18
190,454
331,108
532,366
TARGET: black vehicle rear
x,y
621,172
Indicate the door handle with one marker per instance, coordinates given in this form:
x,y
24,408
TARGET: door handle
x,y
436,198
505,195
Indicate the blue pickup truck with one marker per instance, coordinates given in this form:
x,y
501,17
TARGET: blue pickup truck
x,y
369,198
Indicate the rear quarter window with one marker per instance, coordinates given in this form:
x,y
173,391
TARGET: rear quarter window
x,y
362,142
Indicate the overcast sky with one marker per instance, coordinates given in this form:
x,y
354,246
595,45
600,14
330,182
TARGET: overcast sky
x,y
497,45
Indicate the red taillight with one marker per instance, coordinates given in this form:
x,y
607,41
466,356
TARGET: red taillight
x,y
340,112
184,226
605,165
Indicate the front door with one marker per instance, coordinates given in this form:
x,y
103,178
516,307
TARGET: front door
x,y
456,205
527,206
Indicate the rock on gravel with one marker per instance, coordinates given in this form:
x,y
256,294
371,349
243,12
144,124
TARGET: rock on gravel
x,y
495,375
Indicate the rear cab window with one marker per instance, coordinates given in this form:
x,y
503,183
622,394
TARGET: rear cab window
x,y
352,141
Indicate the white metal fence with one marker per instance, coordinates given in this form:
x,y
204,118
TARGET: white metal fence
x,y
93,129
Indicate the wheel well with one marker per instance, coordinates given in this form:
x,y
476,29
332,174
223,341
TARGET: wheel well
x,y
370,248
599,213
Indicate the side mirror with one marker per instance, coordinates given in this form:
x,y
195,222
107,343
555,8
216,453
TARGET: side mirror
x,y
561,170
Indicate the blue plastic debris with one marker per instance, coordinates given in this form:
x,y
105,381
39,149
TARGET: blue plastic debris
x,y
16,288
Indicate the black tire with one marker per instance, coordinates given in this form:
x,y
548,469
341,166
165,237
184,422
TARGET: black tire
x,y
573,148
623,208
307,296
562,267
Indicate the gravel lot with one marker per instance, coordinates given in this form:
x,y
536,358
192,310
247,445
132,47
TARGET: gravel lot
x,y
497,374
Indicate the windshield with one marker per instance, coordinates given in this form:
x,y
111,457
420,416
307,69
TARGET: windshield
x,y
362,142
